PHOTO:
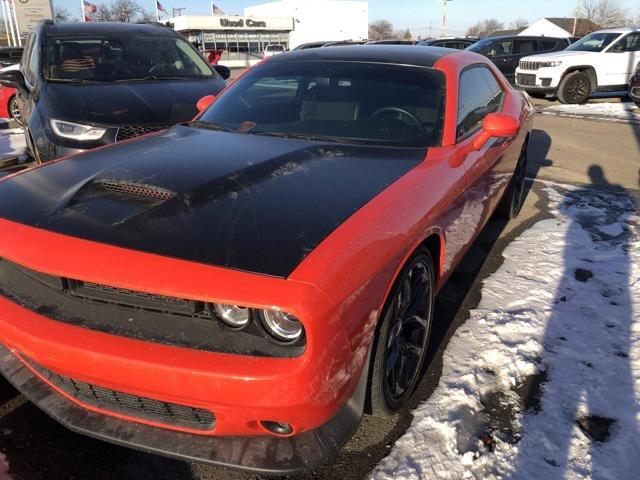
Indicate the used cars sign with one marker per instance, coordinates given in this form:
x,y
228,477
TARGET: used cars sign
x,y
30,12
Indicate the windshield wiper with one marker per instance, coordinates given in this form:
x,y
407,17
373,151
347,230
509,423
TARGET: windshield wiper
x,y
304,136
150,78
208,126
70,80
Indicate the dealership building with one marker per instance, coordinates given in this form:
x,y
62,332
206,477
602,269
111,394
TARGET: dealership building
x,y
285,22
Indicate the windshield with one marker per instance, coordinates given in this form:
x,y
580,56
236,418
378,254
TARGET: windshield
x,y
596,42
479,46
122,58
335,101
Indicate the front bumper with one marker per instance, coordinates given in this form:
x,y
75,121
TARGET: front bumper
x,y
260,454
543,80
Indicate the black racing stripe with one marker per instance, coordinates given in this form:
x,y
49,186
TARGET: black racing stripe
x,y
246,202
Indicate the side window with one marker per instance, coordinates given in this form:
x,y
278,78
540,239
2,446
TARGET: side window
x,y
27,50
525,46
479,95
500,49
630,43
548,45
34,62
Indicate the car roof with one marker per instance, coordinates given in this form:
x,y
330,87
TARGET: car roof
x,y
396,54
524,37
103,28
618,30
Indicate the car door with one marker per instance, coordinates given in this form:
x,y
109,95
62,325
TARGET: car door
x,y
501,54
622,57
488,170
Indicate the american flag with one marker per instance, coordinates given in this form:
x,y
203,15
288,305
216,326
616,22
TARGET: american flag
x,y
215,10
89,10
160,7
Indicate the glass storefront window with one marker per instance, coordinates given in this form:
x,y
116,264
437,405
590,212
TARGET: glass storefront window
x,y
243,46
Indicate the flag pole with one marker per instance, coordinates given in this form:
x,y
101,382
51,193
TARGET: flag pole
x,y
11,26
15,17
157,12
6,22
84,15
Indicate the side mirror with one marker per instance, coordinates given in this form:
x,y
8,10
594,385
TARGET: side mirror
x,y
496,125
13,79
224,72
205,102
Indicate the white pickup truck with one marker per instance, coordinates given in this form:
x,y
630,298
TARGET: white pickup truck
x,y
602,61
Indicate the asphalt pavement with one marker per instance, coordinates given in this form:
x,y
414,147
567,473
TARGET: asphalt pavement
x,y
561,150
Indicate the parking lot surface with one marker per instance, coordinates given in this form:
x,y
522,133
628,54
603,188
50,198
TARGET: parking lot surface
x,y
564,149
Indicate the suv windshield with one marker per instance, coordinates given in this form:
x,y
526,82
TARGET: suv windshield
x,y
479,46
121,58
596,42
335,101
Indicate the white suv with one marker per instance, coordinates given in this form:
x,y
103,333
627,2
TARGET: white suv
x,y
602,61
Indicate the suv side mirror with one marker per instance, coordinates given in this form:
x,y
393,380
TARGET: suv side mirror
x,y
224,72
13,79
205,102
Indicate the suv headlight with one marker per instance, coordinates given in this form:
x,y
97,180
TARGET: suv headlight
x,y
76,131
555,63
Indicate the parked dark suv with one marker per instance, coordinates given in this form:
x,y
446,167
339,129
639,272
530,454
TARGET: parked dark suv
x,y
83,85
506,51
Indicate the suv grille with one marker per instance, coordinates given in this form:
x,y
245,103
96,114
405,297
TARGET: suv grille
x,y
526,65
131,405
132,131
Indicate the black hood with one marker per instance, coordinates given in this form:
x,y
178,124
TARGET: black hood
x,y
132,103
247,202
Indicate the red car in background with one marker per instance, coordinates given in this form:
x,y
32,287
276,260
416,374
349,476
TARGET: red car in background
x,y
236,289
8,104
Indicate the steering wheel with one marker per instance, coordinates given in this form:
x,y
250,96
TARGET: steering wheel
x,y
413,119
162,67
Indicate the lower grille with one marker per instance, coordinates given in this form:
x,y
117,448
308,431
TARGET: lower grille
x,y
169,414
527,80
132,131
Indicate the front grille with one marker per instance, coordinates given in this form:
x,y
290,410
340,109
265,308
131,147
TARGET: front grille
x,y
132,131
526,79
528,65
131,189
170,414
135,314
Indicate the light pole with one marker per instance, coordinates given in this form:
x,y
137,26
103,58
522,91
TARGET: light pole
x,y
444,17
575,18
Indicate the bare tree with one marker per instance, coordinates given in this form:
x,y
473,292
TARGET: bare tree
x,y
380,30
125,10
62,15
485,28
407,35
103,13
518,23
606,13
147,16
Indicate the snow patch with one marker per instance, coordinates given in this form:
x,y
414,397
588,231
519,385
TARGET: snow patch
x,y
12,142
624,112
543,380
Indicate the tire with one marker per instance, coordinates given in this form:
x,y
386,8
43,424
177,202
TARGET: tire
x,y
575,88
513,199
14,111
403,336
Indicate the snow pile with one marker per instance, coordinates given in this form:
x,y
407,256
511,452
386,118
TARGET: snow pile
x,y
625,112
543,380
12,142
4,468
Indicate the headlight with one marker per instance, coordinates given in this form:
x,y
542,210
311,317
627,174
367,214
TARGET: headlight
x,y
75,131
281,326
231,315
555,63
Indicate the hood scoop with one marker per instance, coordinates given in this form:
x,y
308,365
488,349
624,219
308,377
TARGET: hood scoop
x,y
138,191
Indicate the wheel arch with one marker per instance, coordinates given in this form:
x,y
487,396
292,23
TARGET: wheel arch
x,y
586,69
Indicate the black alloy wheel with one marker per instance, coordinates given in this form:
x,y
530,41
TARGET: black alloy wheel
x,y
514,197
575,88
403,336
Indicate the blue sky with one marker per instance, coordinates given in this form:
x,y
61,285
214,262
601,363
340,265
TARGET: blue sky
x,y
413,14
